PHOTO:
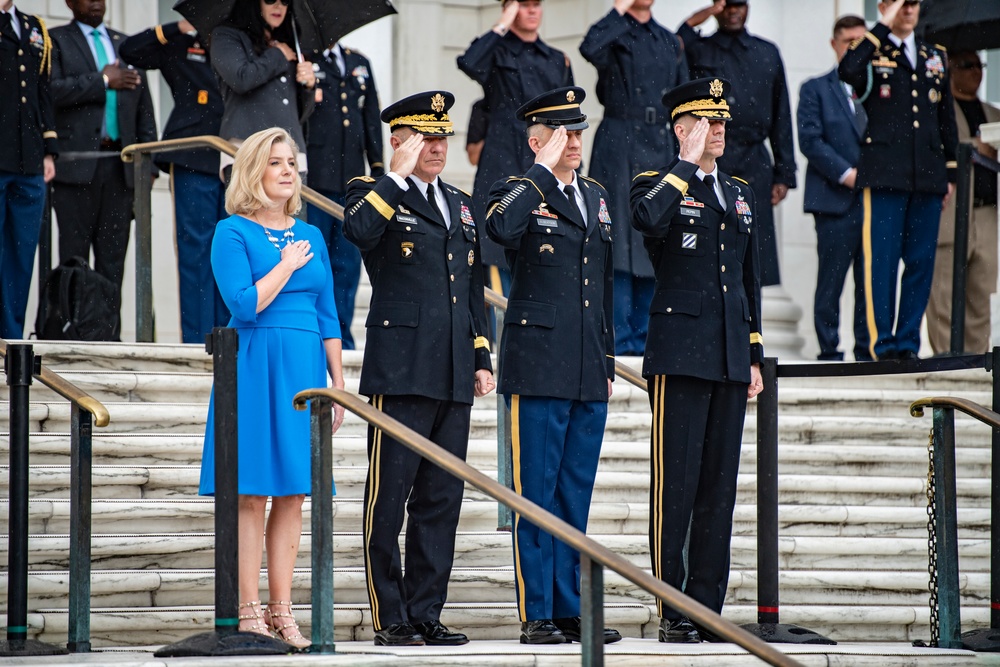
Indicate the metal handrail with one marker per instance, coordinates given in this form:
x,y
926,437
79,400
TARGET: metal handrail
x,y
971,408
69,391
623,371
548,522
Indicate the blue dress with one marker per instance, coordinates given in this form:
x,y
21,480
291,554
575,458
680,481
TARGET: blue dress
x,y
280,353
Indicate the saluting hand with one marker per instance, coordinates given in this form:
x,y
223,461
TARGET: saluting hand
x,y
550,154
622,6
296,254
693,145
703,15
509,12
404,159
890,13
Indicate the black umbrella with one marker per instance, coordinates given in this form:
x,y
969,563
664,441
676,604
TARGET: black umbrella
x,y
961,24
321,23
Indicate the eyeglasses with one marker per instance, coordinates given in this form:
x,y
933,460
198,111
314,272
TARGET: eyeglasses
x,y
284,3
972,65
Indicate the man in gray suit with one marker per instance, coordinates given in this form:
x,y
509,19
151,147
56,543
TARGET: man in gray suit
x,y
100,107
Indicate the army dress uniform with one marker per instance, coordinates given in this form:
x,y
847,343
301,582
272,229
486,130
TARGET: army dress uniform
x,y
27,134
198,193
908,157
423,346
556,357
637,63
704,335
760,92
343,130
511,72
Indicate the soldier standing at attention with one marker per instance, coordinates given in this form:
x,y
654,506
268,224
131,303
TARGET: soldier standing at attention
x,y
27,160
426,356
344,129
907,170
703,352
760,91
637,62
513,65
557,353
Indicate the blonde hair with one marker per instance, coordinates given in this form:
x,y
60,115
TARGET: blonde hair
x,y
245,194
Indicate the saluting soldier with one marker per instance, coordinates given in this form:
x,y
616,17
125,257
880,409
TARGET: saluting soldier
x,y
199,195
513,65
703,352
637,61
344,130
907,170
557,353
426,356
27,160
760,91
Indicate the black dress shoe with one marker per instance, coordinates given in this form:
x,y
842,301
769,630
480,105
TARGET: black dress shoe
x,y
572,630
398,634
436,634
908,355
542,631
678,631
709,636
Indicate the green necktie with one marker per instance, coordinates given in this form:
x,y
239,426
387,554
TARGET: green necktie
x,y
110,96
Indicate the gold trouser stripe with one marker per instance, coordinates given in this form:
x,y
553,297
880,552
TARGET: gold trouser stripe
x,y
515,438
481,341
373,481
756,338
866,251
375,200
495,283
677,182
656,467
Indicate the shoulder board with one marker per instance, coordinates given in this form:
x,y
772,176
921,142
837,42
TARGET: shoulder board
x,y
363,179
463,192
737,178
941,48
646,174
592,180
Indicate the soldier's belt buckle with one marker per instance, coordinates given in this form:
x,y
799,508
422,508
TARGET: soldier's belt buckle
x,y
650,115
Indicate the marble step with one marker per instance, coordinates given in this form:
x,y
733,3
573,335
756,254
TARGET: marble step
x,y
172,588
493,549
155,482
140,449
164,516
122,626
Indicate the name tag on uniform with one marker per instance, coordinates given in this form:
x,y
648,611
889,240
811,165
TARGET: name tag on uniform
x,y
693,212
545,222
408,219
689,241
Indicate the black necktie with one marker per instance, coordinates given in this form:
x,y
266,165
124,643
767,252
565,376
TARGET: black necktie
x,y
7,26
709,181
571,196
432,200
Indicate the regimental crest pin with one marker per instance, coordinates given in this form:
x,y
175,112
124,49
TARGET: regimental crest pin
x,y
602,213
467,219
437,102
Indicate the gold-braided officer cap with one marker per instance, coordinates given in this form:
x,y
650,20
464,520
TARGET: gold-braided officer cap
x,y
556,108
426,113
704,98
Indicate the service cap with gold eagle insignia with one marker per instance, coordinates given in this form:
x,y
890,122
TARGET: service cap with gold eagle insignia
x,y
426,113
556,108
704,98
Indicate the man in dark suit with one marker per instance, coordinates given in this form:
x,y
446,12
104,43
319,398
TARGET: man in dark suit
x,y
100,106
831,125
426,357
343,130
907,170
637,61
199,194
28,137
760,91
703,352
557,354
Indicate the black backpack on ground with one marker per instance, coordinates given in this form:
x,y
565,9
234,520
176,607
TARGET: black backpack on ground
x,y
77,303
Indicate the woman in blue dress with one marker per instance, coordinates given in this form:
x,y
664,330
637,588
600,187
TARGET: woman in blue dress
x,y
274,274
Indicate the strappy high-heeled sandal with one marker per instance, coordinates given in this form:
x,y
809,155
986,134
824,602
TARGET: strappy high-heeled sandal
x,y
254,621
283,625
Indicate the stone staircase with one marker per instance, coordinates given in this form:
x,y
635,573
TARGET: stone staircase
x,y
853,543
